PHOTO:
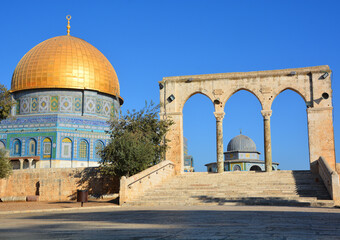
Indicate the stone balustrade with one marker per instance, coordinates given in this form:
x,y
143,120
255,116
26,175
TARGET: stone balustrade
x,y
330,179
136,185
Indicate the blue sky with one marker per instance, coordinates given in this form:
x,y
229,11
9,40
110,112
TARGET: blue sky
x,y
148,40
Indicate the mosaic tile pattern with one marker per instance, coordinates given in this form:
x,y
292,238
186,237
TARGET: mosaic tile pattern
x,y
99,106
54,103
44,103
34,105
106,108
94,104
24,106
90,106
18,107
77,104
66,104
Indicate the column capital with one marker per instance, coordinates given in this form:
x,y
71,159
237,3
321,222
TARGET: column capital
x,y
219,116
266,114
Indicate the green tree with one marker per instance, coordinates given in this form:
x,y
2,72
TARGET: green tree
x,y
5,165
137,142
6,102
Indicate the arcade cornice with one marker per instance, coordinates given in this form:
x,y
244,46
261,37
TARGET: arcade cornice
x,y
243,75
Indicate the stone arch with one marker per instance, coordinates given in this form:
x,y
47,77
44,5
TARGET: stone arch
x,y
296,90
186,98
245,89
255,168
288,121
237,167
198,109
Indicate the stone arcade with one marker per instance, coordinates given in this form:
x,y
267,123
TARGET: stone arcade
x,y
313,84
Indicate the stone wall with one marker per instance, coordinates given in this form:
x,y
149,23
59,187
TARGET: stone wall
x,y
135,186
57,184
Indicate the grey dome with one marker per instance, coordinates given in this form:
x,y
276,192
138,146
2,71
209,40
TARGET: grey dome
x,y
241,143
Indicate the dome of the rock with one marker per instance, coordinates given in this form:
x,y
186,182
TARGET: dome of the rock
x,y
65,62
64,93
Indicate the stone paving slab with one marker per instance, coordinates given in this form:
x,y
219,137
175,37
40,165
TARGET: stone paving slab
x,y
188,222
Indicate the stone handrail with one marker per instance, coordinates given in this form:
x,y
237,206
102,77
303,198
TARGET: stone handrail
x,y
330,179
136,185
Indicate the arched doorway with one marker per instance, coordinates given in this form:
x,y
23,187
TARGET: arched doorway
x,y
256,168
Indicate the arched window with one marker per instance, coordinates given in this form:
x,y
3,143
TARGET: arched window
x,y
255,168
66,148
98,148
32,147
237,168
47,144
83,149
17,147
2,145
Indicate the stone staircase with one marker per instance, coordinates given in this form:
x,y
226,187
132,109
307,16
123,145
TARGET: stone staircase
x,y
282,188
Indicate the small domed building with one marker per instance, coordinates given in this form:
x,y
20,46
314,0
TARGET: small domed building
x,y
65,91
241,155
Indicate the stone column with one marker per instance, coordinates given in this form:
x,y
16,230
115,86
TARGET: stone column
x,y
267,139
219,141
21,163
175,152
30,160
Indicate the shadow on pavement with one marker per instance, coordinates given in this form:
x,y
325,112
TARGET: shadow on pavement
x,y
179,224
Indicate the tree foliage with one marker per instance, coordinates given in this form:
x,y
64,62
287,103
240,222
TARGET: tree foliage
x,y
5,165
137,142
6,102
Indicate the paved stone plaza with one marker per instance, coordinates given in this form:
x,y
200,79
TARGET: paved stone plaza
x,y
195,222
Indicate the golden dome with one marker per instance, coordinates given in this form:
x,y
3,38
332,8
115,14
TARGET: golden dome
x,y
65,62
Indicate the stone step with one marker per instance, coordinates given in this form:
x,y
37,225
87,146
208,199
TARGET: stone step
x,y
190,190
203,186
273,190
272,202
289,188
239,194
235,197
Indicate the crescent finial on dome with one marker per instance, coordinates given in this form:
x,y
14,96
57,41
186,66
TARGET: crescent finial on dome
x,y
68,17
